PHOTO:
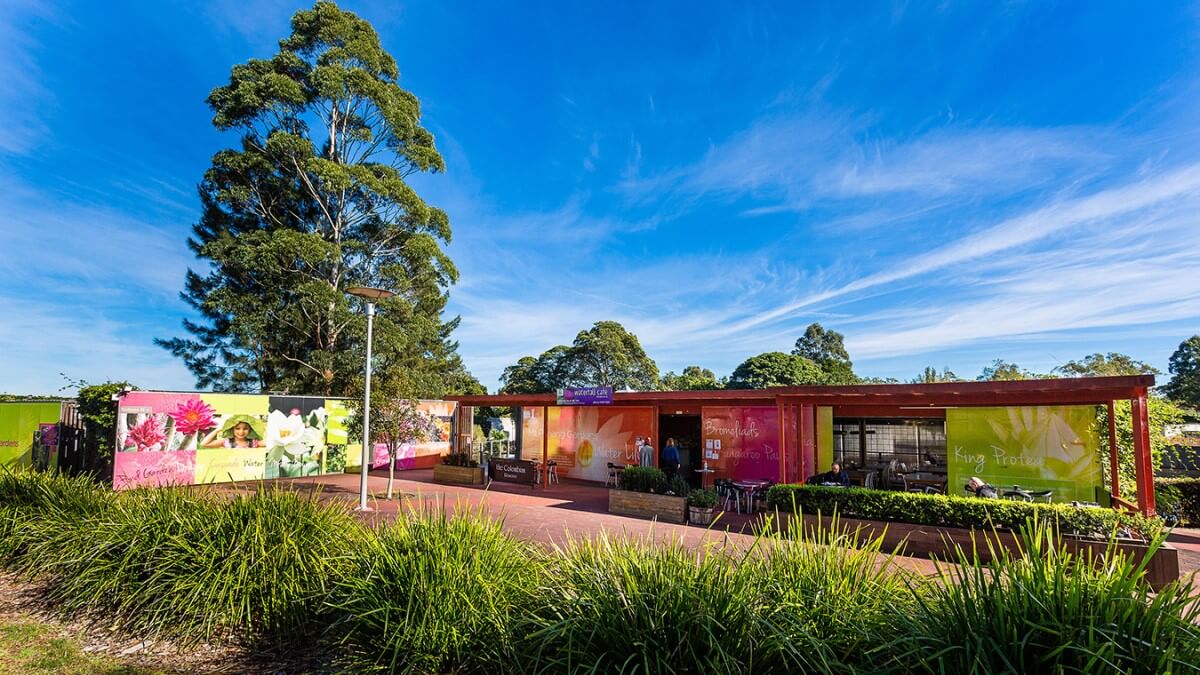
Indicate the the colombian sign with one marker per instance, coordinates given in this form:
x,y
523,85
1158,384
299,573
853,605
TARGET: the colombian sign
x,y
1036,448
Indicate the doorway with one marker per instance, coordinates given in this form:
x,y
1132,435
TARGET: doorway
x,y
685,429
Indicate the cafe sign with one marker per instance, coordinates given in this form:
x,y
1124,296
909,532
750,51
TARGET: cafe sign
x,y
513,471
585,396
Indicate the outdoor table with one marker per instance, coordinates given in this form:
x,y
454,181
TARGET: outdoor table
x,y
705,477
926,479
749,487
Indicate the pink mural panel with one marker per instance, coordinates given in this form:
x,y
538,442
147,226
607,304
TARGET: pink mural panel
x,y
153,469
741,443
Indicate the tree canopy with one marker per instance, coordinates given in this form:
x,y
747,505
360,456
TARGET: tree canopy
x,y
827,349
313,200
605,354
693,378
776,369
1184,387
1106,365
1003,370
931,376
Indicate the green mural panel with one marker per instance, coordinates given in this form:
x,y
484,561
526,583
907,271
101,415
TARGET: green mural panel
x,y
18,422
1037,448
824,438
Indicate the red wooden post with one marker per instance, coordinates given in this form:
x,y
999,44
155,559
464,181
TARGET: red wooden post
x,y
781,415
1112,450
1144,471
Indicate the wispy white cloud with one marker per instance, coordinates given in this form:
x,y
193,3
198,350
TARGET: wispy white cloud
x,y
25,100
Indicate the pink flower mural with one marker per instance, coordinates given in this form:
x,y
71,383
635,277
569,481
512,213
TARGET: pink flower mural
x,y
193,416
146,436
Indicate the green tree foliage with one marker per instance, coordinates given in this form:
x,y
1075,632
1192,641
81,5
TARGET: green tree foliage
x,y
693,378
1002,370
931,376
1161,412
314,200
98,411
826,348
776,369
538,375
1106,365
1184,387
605,354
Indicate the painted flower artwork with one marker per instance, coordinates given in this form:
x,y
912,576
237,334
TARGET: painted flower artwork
x,y
147,436
295,443
193,416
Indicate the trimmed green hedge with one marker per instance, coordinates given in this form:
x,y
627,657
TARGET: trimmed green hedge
x,y
1179,497
953,511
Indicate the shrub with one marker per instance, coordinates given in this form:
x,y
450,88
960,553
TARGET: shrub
x,y
460,459
954,511
624,606
1046,610
1180,496
643,478
434,594
678,486
702,499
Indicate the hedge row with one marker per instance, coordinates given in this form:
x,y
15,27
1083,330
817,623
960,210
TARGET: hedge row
x,y
954,511
1179,497
435,594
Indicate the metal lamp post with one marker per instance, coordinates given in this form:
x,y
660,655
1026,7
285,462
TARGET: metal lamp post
x,y
371,295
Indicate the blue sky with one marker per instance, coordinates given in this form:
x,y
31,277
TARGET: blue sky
x,y
945,184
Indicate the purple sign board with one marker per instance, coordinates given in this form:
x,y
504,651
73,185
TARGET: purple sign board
x,y
585,396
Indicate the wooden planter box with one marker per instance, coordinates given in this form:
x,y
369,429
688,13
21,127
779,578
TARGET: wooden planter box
x,y
939,542
646,505
459,475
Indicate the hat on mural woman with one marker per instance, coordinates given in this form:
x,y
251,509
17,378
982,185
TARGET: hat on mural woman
x,y
257,426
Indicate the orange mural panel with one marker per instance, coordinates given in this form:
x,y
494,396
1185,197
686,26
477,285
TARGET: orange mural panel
x,y
584,439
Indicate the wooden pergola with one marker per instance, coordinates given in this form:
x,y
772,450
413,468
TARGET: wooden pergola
x,y
797,407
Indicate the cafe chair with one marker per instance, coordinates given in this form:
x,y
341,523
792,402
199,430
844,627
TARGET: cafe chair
x,y
551,472
870,480
612,475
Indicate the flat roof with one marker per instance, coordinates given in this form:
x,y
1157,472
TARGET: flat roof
x,y
1057,391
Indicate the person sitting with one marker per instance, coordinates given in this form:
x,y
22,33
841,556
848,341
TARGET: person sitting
x,y
982,489
835,476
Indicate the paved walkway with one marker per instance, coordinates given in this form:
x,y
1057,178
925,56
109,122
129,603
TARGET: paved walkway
x,y
553,516
550,516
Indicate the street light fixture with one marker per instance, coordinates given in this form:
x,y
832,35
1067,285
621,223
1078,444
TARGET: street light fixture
x,y
371,295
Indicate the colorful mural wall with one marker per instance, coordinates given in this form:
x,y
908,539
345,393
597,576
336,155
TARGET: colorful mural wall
x,y
168,438
1038,448
741,443
29,433
584,439
438,419
531,433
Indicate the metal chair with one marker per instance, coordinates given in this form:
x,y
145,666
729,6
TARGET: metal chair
x,y
551,472
612,475
869,480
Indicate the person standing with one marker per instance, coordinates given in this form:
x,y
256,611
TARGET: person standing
x,y
670,458
646,453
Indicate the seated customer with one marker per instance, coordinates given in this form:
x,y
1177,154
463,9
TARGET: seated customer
x,y
982,489
835,475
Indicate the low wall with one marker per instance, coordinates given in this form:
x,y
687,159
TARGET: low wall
x,y
647,505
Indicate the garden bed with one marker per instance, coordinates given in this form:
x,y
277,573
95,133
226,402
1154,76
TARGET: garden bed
x,y
666,508
458,475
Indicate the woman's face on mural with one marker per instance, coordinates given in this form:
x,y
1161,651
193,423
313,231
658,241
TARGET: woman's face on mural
x,y
241,431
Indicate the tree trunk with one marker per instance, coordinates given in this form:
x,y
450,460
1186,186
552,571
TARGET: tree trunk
x,y
391,470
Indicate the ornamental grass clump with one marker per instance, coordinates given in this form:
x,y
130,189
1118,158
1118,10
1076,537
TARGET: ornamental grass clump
x,y
431,593
614,605
833,596
183,564
31,502
1045,610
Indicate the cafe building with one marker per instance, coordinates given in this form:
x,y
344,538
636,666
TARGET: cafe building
x,y
1042,437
